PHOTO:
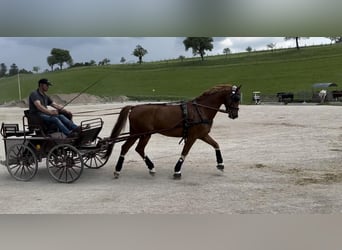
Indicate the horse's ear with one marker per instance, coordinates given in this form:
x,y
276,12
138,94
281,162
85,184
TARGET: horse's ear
x,y
238,88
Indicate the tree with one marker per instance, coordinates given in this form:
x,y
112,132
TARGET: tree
x,y
297,40
104,62
271,46
13,70
181,57
70,62
249,49
3,69
51,60
61,56
139,52
123,60
199,45
24,71
36,69
226,51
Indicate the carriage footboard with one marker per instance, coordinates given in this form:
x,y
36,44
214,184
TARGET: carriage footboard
x,y
90,130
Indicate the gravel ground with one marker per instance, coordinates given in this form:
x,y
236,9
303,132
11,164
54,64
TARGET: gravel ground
x,y
279,159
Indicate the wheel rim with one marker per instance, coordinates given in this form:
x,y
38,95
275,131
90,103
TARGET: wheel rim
x,y
95,159
64,163
21,162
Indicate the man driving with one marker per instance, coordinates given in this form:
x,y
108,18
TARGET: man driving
x,y
38,104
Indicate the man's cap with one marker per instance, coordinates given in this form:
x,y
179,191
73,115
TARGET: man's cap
x,y
44,81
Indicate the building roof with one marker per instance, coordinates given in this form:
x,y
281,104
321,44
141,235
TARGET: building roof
x,y
324,85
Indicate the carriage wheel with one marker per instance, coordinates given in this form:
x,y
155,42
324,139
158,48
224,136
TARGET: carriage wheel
x,y
21,162
95,158
64,163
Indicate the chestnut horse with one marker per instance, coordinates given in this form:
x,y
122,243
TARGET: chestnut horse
x,y
190,120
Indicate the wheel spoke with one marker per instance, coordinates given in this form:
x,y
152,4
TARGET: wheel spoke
x,y
98,160
65,163
22,162
95,159
23,172
17,167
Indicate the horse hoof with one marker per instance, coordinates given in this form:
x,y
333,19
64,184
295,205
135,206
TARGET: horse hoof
x,y
116,175
177,176
220,167
152,172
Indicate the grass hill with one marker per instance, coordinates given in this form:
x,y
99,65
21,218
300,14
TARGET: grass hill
x,y
266,71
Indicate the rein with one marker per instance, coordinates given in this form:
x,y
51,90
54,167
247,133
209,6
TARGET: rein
x,y
105,114
208,107
92,111
127,135
87,113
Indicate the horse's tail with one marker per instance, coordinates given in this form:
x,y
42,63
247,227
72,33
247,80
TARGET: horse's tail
x,y
119,125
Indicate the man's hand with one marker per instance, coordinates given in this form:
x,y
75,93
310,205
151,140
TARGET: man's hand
x,y
65,112
53,112
68,112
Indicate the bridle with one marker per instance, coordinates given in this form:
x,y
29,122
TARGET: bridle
x,y
234,96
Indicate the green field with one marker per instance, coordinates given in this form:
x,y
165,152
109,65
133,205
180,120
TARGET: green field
x,y
266,71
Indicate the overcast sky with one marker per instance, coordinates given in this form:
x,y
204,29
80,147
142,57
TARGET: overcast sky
x,y
27,52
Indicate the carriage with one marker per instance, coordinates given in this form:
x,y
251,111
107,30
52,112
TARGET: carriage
x,y
65,157
285,97
256,97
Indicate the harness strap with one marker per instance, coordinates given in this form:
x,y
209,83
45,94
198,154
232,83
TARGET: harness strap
x,y
186,125
202,121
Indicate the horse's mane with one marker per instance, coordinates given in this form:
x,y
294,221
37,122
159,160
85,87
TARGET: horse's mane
x,y
216,89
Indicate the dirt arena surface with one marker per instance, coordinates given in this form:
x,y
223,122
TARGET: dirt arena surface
x,y
281,159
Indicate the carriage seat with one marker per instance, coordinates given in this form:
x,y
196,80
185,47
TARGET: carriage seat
x,y
36,124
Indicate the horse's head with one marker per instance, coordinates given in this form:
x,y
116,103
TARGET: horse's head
x,y
232,102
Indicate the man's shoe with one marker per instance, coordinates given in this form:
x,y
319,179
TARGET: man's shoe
x,y
73,134
77,130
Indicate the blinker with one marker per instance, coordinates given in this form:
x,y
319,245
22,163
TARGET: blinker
x,y
234,90
236,97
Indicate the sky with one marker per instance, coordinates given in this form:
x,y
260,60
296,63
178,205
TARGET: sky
x,y
28,52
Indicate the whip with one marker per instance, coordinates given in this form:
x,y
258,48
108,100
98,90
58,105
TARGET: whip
x,y
85,89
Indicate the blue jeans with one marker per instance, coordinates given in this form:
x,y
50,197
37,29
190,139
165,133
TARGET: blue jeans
x,y
64,124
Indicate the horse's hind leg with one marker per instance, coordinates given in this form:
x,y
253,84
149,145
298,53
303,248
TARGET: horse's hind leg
x,y
214,144
124,149
141,151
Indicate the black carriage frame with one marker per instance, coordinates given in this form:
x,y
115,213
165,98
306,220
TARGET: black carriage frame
x,y
65,157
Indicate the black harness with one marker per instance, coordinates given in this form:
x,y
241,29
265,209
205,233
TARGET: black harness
x,y
187,122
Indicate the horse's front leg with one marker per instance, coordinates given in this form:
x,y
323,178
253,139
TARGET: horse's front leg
x,y
187,146
214,144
